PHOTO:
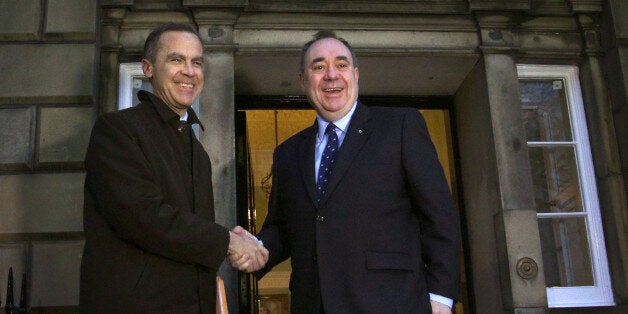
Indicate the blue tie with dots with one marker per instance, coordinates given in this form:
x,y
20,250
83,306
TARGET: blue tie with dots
x,y
327,161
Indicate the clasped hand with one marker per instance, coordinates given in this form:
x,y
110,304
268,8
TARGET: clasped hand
x,y
245,252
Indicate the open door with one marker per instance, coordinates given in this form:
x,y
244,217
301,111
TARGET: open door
x,y
245,204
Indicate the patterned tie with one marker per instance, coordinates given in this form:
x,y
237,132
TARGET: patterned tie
x,y
327,161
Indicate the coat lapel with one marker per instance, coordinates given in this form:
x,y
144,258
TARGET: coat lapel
x,y
198,186
357,134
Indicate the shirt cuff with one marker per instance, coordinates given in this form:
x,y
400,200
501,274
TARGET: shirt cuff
x,y
258,240
441,299
252,237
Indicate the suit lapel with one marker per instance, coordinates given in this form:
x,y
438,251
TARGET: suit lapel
x,y
306,160
358,132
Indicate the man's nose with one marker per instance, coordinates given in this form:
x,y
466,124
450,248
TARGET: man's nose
x,y
188,69
331,73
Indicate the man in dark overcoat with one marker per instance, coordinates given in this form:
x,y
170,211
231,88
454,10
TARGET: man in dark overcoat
x,y
151,243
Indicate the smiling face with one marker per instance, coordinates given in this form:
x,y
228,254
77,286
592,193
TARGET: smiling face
x,y
330,79
176,74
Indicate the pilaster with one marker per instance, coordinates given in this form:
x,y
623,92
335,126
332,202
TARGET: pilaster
x,y
517,237
217,111
518,240
110,49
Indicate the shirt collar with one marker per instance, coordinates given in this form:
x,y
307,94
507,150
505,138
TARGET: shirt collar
x,y
165,112
342,123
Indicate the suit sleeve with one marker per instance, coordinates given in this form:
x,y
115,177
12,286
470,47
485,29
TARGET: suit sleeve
x,y
433,203
274,233
124,191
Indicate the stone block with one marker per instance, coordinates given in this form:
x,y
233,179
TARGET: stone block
x,y
71,19
12,255
42,202
619,10
64,133
106,3
218,3
17,126
134,39
55,274
569,42
19,19
623,60
46,70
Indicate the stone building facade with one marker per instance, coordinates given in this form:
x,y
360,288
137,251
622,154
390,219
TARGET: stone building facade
x,y
60,68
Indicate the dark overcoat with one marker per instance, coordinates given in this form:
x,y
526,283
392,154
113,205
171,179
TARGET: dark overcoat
x,y
151,244
385,234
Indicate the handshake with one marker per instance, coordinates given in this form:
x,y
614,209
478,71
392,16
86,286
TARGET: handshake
x,y
245,252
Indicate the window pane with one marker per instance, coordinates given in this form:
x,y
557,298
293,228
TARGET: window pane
x,y
565,247
555,179
545,112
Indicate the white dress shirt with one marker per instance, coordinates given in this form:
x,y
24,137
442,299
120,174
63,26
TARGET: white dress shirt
x,y
341,124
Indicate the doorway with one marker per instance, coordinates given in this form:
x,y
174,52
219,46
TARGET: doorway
x,y
264,122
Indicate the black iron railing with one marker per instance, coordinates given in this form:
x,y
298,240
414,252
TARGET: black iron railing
x,y
9,306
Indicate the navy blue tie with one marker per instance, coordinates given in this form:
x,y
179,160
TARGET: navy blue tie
x,y
327,161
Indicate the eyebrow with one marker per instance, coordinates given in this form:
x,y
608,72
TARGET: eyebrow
x,y
179,55
319,59
174,55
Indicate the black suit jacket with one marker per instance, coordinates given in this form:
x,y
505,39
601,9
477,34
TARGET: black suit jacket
x,y
151,242
386,233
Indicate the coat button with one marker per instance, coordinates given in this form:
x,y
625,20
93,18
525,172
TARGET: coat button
x,y
320,218
181,128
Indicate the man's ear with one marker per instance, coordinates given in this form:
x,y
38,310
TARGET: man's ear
x,y
147,67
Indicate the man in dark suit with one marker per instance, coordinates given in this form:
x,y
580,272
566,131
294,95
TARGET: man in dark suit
x,y
369,223
151,243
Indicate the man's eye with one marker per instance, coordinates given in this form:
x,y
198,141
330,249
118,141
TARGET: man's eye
x,y
198,63
317,67
177,60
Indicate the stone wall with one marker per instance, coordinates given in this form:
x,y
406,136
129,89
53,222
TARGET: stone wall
x,y
47,99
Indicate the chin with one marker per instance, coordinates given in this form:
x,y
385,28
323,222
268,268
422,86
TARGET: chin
x,y
186,102
335,107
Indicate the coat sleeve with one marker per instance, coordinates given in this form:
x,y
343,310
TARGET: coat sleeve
x,y
122,186
433,203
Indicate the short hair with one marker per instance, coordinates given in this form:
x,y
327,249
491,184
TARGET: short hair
x,y
152,41
322,35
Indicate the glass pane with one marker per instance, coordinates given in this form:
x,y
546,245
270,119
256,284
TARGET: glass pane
x,y
565,247
555,179
545,112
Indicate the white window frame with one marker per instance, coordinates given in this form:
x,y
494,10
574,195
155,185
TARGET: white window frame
x,y
129,72
600,294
